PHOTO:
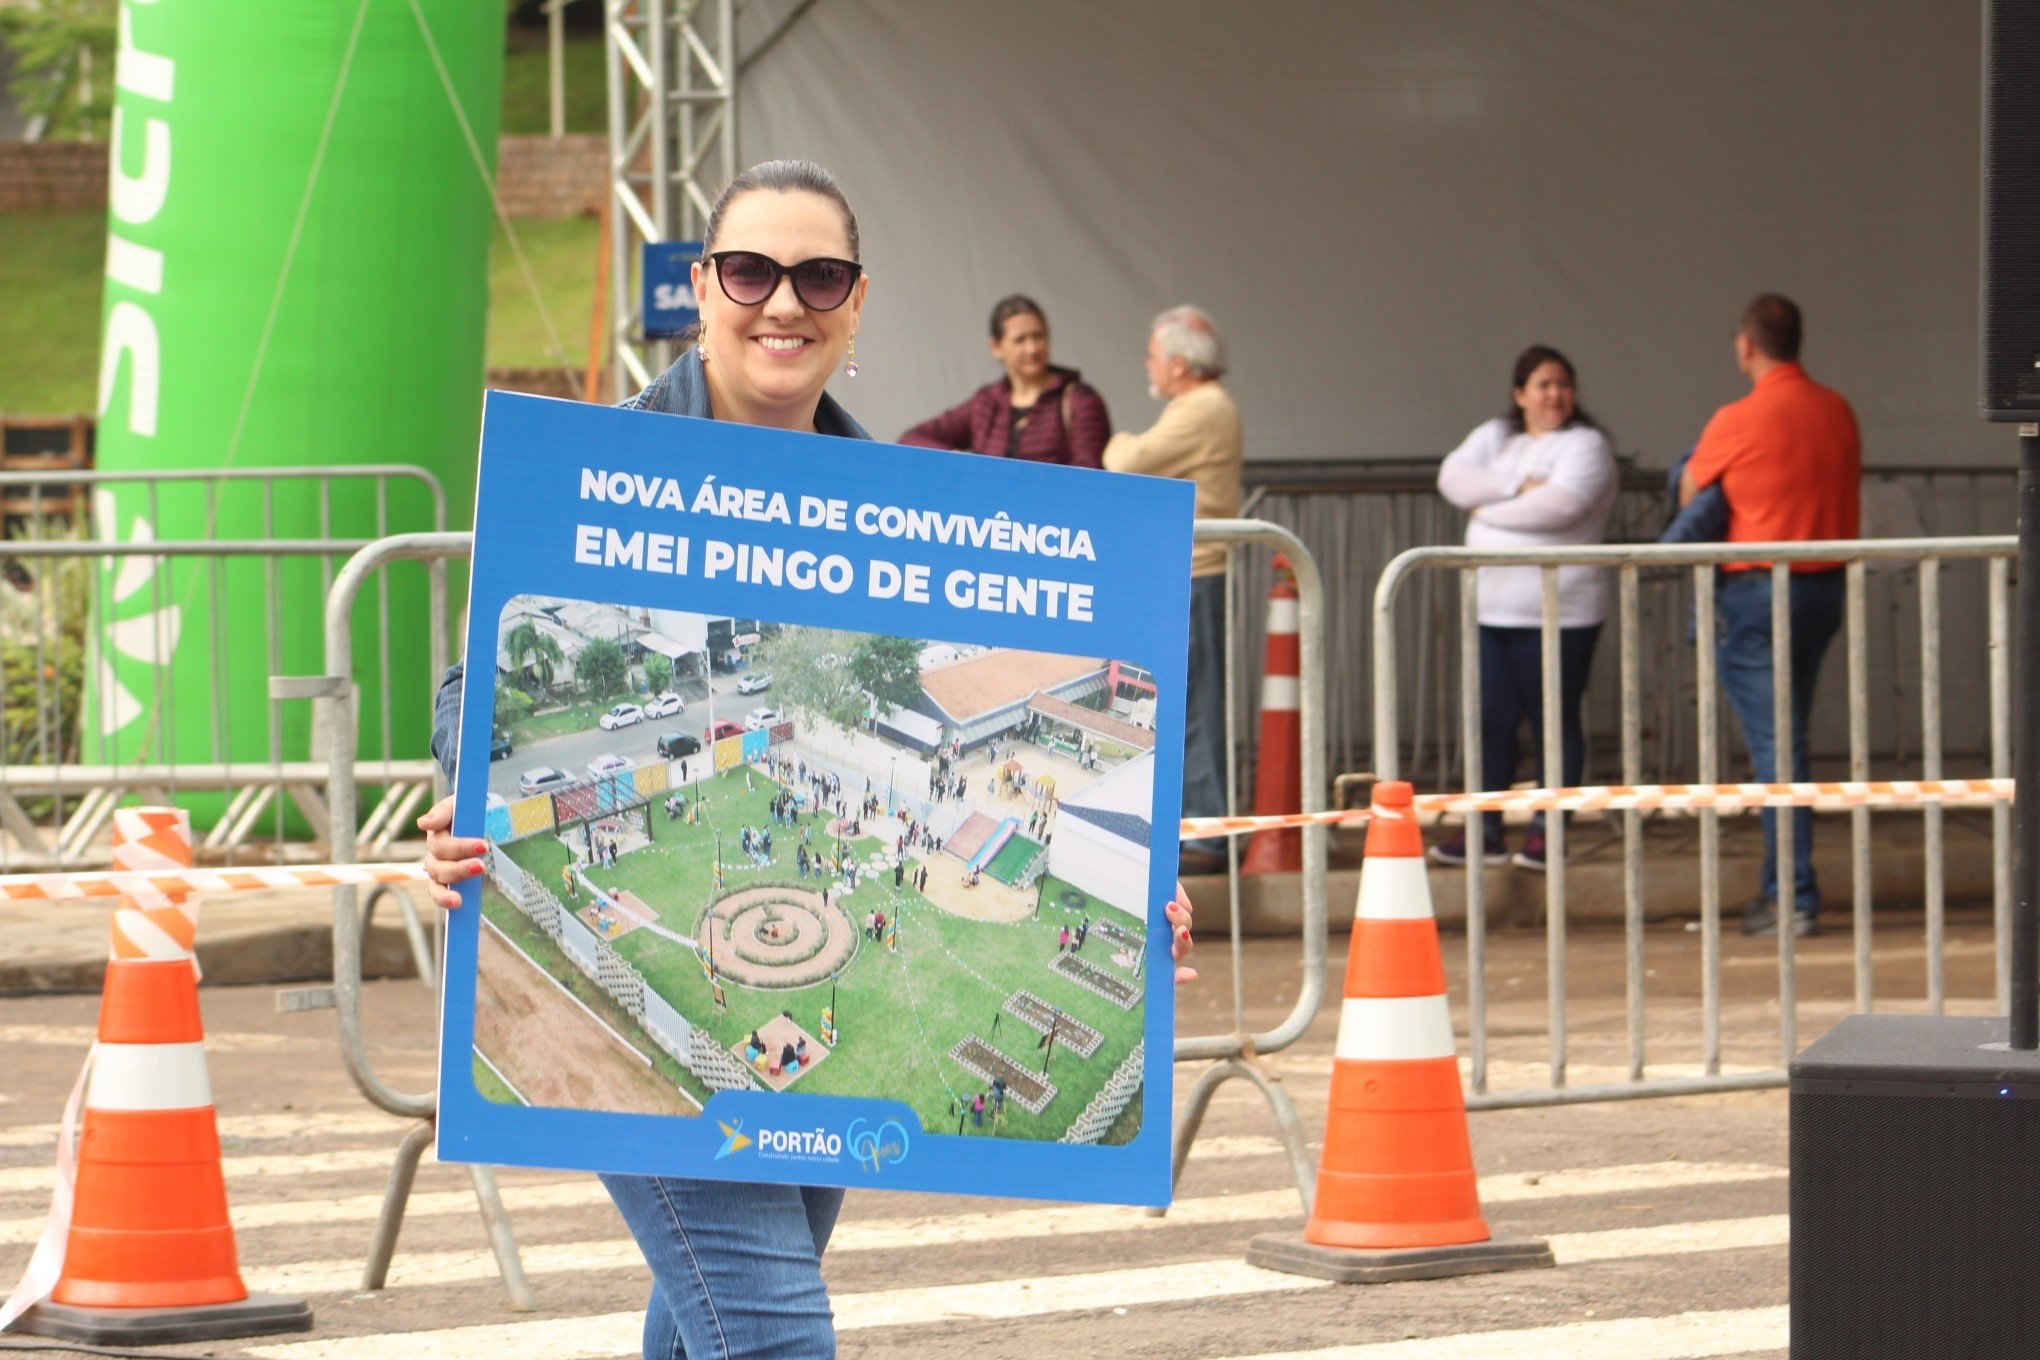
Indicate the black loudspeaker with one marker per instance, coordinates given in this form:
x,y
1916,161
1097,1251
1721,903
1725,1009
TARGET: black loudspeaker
x,y
1915,1192
2011,210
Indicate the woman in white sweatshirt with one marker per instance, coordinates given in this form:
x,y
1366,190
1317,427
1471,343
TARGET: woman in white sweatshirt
x,y
1540,476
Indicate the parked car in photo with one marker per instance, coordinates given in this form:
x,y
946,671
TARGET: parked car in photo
x,y
542,779
673,744
499,745
723,728
760,718
665,705
754,682
623,715
604,766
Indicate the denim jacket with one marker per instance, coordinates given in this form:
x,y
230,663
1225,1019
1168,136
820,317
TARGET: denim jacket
x,y
681,390
1704,519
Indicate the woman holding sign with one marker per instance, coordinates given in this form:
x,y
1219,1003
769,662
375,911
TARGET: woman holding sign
x,y
736,1266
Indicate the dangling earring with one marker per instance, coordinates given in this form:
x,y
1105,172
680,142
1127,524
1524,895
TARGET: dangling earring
x,y
701,346
850,358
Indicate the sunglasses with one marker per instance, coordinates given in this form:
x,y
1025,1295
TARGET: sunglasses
x,y
748,278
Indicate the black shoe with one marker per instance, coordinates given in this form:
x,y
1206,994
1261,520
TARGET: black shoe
x,y
1760,919
1452,850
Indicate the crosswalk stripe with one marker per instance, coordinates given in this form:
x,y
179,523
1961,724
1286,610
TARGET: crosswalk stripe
x,y
247,1126
580,1192
1033,1296
42,1179
424,1269
622,1333
1682,1336
1725,1234
80,1037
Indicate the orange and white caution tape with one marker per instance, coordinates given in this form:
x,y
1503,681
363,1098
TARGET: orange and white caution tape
x,y
1591,798
73,887
1647,798
157,923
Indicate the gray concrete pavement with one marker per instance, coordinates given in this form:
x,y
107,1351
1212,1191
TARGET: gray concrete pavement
x,y
1667,1217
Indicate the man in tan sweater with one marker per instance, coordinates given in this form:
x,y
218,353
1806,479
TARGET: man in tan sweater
x,y
1198,439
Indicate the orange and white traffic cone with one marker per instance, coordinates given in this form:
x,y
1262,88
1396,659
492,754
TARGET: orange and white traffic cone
x,y
1396,1195
150,1258
1278,779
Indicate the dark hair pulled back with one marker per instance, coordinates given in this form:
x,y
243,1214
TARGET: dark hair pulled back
x,y
1527,363
785,177
1019,304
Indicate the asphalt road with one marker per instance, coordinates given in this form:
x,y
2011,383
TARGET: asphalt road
x,y
638,743
1667,1216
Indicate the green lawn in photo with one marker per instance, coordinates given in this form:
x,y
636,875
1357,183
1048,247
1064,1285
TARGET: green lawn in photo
x,y
558,722
899,1014
492,1086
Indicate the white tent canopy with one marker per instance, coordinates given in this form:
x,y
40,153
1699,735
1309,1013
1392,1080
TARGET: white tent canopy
x,y
1382,203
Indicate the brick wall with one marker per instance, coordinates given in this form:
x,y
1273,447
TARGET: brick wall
x,y
538,177
54,176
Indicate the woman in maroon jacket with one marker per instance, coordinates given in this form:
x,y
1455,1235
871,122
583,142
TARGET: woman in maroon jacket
x,y
1037,412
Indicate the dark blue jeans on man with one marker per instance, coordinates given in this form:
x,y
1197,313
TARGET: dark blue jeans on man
x,y
1204,711
1743,604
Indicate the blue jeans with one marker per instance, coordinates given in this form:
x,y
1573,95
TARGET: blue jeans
x,y
1512,693
1743,601
1204,709
736,1267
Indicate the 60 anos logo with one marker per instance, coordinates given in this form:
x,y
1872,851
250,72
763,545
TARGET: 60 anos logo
x,y
875,1145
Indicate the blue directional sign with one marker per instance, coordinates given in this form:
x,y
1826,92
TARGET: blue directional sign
x,y
668,292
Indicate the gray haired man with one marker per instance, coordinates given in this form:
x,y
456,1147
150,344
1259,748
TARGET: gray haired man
x,y
1197,438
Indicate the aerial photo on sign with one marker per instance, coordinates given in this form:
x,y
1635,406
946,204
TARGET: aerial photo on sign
x,y
732,854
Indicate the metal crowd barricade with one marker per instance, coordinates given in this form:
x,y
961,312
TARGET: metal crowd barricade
x,y
1699,562
1355,515
334,696
58,578
1237,1054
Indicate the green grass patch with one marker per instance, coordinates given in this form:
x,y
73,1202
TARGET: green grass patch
x,y
51,269
899,1014
562,255
558,722
527,82
493,1087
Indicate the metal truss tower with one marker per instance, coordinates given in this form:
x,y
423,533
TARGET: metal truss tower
x,y
672,146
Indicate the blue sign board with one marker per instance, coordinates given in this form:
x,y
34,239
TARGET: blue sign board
x,y
734,929
668,290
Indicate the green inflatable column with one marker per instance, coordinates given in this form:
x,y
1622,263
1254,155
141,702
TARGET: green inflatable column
x,y
297,275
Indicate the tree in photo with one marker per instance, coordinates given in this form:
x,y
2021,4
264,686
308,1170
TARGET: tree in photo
x,y
513,705
534,654
601,667
810,671
63,64
888,669
658,672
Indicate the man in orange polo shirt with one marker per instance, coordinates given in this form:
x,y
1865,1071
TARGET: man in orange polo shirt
x,y
1790,461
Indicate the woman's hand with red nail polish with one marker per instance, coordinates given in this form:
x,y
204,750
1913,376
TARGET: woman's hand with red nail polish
x,y
448,858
